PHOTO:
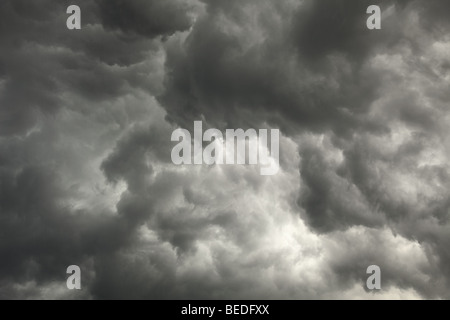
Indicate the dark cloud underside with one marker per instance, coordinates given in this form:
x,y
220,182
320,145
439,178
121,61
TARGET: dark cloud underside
x,y
86,177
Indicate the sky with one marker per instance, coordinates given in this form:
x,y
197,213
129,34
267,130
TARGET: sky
x,y
86,176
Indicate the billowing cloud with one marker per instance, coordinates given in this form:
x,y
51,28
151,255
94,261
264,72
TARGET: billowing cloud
x,y
86,178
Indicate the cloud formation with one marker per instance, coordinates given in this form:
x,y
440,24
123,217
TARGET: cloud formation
x,y
86,177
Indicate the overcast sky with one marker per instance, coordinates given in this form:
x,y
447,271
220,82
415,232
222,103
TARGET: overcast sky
x,y
86,176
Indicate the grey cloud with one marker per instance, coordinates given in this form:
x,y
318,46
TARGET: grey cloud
x,y
86,175
331,202
148,18
243,79
41,60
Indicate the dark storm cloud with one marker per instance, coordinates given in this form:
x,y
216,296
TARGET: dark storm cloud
x,y
324,27
148,18
58,90
41,60
331,203
86,178
234,76
307,71
40,237
317,71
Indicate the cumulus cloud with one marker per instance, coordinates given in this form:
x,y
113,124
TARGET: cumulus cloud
x,y
148,18
86,177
